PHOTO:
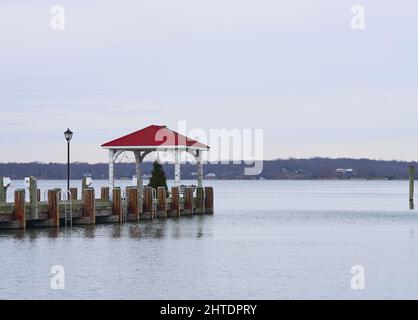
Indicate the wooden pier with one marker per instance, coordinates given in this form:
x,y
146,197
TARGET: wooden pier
x,y
124,206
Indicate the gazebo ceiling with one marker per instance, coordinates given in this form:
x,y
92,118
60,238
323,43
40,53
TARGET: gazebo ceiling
x,y
155,138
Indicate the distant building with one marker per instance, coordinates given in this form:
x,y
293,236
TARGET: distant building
x,y
210,175
345,173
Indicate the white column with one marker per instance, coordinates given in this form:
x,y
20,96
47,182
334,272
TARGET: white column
x,y
138,175
199,168
177,168
138,169
111,172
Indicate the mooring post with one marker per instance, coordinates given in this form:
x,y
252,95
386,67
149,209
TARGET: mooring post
x,y
19,212
175,197
104,195
133,205
53,209
147,206
83,186
200,200
208,199
188,200
3,190
162,200
89,206
33,197
74,195
117,203
411,186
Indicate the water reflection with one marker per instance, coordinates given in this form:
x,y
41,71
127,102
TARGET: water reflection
x,y
185,227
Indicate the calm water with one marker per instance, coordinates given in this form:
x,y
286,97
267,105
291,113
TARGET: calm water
x,y
267,239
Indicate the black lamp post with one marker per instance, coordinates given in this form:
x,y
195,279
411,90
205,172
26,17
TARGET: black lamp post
x,y
68,136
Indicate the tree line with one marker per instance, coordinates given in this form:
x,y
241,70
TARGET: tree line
x,y
313,168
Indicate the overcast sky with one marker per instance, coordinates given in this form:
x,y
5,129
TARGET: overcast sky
x,y
293,68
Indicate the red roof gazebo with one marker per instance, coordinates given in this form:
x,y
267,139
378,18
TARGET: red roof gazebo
x,y
154,138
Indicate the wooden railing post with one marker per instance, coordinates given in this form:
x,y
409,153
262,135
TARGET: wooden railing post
x,y
117,203
83,186
19,212
89,206
208,199
162,200
175,197
53,209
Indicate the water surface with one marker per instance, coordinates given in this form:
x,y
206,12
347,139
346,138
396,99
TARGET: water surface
x,y
267,239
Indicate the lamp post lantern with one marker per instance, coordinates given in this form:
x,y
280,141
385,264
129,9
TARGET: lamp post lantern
x,y
68,136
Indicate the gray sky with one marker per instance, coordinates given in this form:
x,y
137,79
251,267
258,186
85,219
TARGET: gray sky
x,y
293,68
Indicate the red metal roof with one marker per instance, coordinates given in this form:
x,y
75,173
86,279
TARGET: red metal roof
x,y
154,136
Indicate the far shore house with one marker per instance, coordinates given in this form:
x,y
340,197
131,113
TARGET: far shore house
x,y
150,139
345,172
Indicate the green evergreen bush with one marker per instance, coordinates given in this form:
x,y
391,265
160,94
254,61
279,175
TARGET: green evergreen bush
x,y
158,178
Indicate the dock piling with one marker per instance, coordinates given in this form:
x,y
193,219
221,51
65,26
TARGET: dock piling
x,y
3,190
74,193
188,200
53,208
162,201
148,203
200,200
133,204
33,198
175,196
19,211
89,206
208,199
411,186
117,203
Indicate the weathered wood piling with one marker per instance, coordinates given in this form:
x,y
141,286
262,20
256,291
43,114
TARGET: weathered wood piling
x,y
19,214
3,190
162,202
117,204
133,204
52,210
411,186
175,201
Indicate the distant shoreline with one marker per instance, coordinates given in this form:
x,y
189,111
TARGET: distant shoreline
x,y
280,169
